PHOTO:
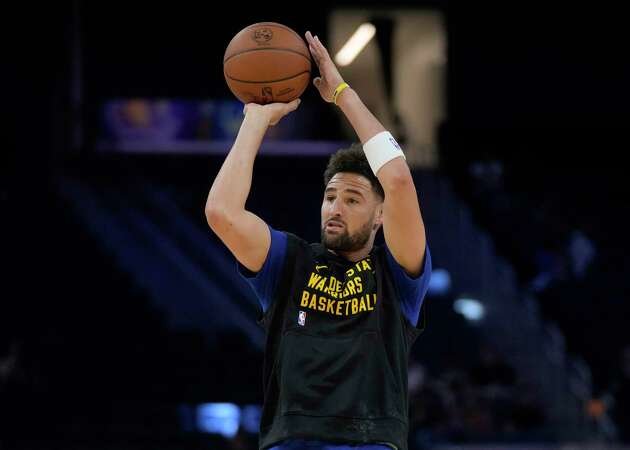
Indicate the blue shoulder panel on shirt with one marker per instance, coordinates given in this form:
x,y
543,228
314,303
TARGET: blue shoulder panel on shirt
x,y
265,281
411,290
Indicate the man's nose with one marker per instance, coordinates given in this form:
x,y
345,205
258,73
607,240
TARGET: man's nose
x,y
337,208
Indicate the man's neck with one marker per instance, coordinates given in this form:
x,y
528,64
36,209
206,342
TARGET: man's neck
x,y
356,255
352,256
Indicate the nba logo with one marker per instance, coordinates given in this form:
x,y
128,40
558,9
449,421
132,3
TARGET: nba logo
x,y
394,143
302,318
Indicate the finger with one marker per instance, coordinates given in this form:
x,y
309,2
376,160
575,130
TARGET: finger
x,y
309,37
314,54
294,104
317,81
316,44
321,46
319,43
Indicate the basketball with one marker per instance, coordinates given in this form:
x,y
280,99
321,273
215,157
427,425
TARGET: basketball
x,y
267,62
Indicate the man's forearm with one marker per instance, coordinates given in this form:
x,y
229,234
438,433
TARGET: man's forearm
x,y
359,116
233,182
366,125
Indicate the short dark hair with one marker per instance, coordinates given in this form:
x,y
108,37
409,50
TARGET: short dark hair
x,y
352,159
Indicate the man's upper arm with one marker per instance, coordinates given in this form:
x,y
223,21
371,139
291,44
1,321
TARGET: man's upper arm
x,y
245,234
403,227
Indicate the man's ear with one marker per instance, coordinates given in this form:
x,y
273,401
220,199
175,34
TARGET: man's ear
x,y
378,220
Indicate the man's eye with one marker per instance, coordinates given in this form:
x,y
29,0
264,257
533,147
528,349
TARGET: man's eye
x,y
352,201
330,198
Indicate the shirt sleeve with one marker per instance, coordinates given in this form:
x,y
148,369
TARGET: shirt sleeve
x,y
411,291
264,282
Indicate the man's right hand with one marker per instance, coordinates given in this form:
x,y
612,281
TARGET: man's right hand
x,y
272,112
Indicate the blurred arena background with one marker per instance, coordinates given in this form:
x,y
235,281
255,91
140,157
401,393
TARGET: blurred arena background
x,y
123,323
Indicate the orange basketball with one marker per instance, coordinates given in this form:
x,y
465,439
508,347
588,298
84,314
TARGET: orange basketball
x,y
267,62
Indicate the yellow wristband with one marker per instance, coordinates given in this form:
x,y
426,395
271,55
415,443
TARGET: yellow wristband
x,y
338,91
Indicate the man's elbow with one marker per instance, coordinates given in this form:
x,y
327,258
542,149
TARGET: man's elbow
x,y
398,182
216,215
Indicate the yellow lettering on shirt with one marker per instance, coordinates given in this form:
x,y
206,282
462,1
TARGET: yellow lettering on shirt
x,y
340,297
332,285
313,280
359,284
305,296
320,286
370,308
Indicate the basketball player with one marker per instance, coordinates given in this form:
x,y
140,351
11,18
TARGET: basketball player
x,y
340,316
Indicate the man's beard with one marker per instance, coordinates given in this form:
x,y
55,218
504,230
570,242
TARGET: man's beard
x,y
343,242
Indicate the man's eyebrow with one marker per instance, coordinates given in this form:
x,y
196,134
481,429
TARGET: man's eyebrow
x,y
352,191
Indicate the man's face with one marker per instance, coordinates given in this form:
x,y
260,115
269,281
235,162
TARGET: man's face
x,y
351,211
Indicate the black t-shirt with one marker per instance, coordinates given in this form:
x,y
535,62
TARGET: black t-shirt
x,y
337,347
